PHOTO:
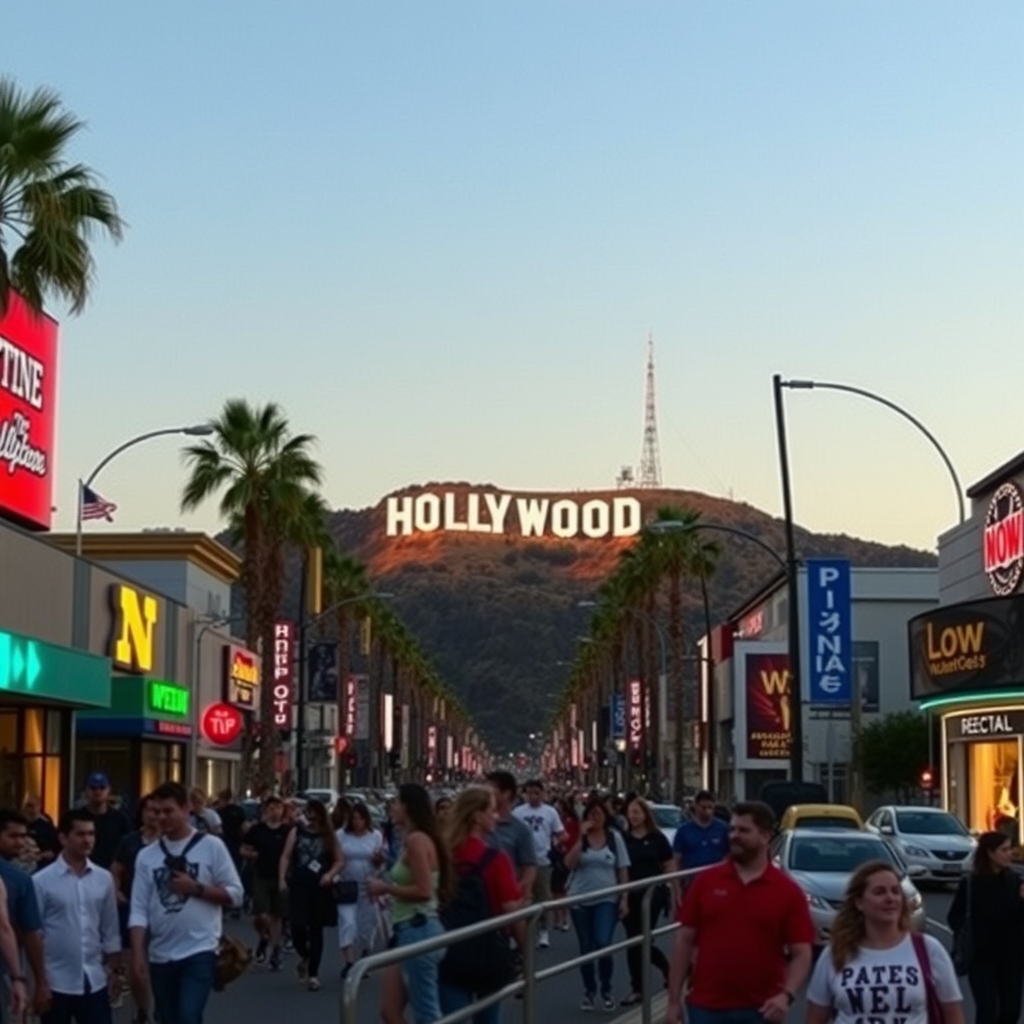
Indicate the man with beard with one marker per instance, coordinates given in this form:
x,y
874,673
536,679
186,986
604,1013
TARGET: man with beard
x,y
742,911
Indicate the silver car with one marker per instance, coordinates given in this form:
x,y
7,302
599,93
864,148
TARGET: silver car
x,y
821,862
668,818
927,837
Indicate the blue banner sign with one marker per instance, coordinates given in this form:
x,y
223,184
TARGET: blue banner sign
x,y
618,716
830,631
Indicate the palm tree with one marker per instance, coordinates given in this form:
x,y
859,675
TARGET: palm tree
x,y
264,475
49,207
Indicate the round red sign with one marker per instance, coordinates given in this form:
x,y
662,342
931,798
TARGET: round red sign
x,y
1004,539
222,724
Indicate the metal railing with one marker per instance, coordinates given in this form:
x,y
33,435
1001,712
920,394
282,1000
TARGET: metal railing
x,y
531,977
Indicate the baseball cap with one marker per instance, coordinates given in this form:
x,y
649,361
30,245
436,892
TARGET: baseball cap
x,y
97,780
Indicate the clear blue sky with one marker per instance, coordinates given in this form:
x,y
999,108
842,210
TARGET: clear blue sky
x,y
438,233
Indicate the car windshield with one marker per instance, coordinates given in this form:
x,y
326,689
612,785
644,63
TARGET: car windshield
x,y
667,816
827,822
936,823
821,855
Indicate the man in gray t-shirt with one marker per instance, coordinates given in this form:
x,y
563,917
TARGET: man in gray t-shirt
x,y
512,835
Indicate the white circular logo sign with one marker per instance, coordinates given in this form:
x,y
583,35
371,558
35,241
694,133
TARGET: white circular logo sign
x,y
1004,539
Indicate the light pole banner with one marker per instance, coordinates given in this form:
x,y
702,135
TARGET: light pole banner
x,y
618,715
829,631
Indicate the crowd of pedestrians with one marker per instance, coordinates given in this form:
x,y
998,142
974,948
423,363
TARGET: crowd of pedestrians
x,y
97,905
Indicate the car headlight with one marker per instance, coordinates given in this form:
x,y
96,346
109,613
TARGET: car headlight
x,y
915,851
817,902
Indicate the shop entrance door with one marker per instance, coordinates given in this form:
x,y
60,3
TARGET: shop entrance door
x,y
985,785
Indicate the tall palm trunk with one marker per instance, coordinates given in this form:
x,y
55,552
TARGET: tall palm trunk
x,y
684,724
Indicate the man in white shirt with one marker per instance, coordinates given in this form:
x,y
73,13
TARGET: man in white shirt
x,y
81,932
546,827
182,883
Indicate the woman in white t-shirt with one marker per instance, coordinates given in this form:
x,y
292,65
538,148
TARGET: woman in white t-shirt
x,y
362,846
876,967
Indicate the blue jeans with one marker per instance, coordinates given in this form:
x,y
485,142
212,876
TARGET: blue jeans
x,y
420,972
595,929
453,999
695,1015
181,988
92,1008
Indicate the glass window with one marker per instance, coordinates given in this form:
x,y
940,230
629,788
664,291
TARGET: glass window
x,y
993,786
841,856
865,659
8,732
35,731
53,732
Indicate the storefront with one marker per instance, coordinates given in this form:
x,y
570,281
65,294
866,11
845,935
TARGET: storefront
x,y
41,684
967,657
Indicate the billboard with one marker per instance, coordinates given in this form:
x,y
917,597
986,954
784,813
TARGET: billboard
x,y
28,413
978,645
830,631
322,666
768,701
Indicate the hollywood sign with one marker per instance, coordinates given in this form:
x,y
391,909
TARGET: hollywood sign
x,y
489,512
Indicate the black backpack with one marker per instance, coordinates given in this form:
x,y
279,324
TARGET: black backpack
x,y
484,963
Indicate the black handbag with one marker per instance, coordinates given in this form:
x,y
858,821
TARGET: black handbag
x,y
345,891
962,953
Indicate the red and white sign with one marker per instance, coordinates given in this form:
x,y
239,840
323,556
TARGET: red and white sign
x,y
1004,539
351,685
635,714
222,724
241,676
284,673
28,414
431,745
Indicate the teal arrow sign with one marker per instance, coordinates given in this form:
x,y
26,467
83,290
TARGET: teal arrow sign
x,y
20,664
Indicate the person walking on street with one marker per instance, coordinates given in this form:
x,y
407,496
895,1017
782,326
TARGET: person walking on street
x,y
701,839
559,872
649,856
262,848
363,854
752,927
112,824
877,968
421,880
546,829
123,870
14,1000
989,903
310,862
597,861
81,932
182,884
20,900
510,834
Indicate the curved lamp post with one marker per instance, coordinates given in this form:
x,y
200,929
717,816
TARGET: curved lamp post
x,y
199,430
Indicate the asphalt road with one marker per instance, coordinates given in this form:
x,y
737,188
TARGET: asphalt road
x,y
260,997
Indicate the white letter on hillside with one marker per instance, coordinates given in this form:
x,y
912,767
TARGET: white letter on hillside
x,y
399,515
497,507
596,518
475,524
451,521
428,512
628,515
533,514
565,518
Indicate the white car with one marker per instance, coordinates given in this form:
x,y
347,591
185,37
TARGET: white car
x,y
668,818
928,838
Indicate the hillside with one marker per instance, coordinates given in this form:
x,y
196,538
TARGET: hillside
x,y
498,612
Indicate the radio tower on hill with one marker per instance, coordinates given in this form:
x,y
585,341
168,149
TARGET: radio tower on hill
x,y
650,459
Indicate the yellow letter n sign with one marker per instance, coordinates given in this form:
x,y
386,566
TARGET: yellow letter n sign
x,y
135,616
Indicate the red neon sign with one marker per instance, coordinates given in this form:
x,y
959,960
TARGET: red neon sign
x,y
28,399
222,724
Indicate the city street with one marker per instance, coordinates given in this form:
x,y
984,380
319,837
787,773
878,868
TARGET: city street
x,y
260,997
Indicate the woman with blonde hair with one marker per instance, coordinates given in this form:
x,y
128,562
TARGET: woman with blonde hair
x,y
471,824
877,967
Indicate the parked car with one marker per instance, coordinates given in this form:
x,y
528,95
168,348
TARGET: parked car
x,y
821,862
668,818
782,794
928,837
821,816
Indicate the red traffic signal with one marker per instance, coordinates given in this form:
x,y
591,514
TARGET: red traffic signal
x,y
341,744
927,778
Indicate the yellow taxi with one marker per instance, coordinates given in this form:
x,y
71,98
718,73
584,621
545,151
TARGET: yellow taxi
x,y
821,816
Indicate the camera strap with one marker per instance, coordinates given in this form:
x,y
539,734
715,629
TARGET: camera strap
x,y
192,843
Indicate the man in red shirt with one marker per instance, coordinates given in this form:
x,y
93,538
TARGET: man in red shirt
x,y
751,928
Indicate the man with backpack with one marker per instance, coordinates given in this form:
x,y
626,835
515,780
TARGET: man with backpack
x,y
182,884
487,888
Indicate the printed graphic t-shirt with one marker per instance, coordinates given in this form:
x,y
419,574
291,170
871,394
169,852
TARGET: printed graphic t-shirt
x,y
544,823
884,986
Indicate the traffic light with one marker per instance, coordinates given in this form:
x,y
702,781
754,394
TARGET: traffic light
x,y
351,759
637,759
927,778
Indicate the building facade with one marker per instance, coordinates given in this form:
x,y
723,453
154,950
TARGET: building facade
x,y
967,656
746,699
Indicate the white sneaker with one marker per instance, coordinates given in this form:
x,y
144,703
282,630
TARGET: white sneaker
x,y
544,940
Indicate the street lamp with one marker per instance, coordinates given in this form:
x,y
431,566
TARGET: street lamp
x,y
199,430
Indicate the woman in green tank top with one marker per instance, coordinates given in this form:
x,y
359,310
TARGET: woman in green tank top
x,y
420,880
